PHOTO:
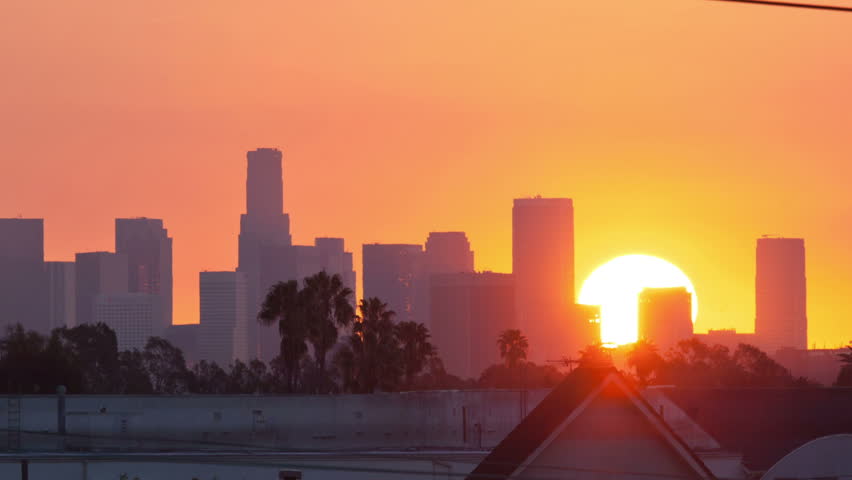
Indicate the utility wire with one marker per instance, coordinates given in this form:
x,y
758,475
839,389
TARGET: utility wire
x,y
774,3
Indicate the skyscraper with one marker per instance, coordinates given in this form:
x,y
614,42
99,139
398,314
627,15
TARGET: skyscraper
x,y
264,229
131,315
148,248
665,316
223,335
781,294
469,311
61,294
22,275
543,269
97,273
266,252
392,273
448,252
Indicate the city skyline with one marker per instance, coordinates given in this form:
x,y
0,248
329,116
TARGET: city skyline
x,y
453,137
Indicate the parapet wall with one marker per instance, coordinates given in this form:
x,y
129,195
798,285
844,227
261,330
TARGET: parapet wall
x,y
434,419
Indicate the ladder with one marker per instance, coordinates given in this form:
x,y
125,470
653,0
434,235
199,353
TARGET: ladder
x,y
13,424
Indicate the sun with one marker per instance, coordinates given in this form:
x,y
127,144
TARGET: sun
x,y
615,286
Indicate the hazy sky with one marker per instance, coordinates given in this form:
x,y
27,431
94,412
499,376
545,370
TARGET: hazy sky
x,y
682,128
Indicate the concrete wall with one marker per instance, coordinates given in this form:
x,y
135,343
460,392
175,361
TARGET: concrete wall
x,y
443,419
352,466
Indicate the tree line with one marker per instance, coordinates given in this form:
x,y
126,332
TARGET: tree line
x,y
327,347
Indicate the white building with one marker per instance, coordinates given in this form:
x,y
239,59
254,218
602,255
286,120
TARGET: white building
x,y
224,317
130,315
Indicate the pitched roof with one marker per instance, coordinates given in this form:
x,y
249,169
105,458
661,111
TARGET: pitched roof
x,y
765,424
560,406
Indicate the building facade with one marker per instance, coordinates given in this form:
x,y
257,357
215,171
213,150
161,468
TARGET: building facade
x,y
97,273
392,273
543,269
469,311
130,315
148,248
781,294
61,294
22,274
448,252
223,334
665,316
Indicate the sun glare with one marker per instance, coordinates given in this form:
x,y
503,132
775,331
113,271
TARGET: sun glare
x,y
616,285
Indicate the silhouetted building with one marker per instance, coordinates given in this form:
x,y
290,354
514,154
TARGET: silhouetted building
x,y
334,259
263,226
820,365
22,274
469,311
223,335
665,316
149,262
727,337
97,273
130,315
61,294
781,294
448,252
185,337
543,268
392,273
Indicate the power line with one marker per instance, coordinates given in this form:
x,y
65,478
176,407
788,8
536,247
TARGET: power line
x,y
773,3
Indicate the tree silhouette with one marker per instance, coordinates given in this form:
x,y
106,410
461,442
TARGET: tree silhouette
x,y
645,361
416,349
284,306
844,377
371,358
166,366
327,307
513,347
595,355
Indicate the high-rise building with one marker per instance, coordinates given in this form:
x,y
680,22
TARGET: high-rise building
x,y
543,269
469,311
267,254
665,316
447,252
130,315
97,273
149,261
781,294
392,273
264,229
61,294
334,259
22,275
223,335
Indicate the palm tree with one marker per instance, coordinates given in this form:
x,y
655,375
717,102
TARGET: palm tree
x,y
846,357
645,360
513,347
595,355
371,358
283,305
328,307
416,349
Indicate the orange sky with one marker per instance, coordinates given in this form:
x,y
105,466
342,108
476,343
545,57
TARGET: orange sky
x,y
681,128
